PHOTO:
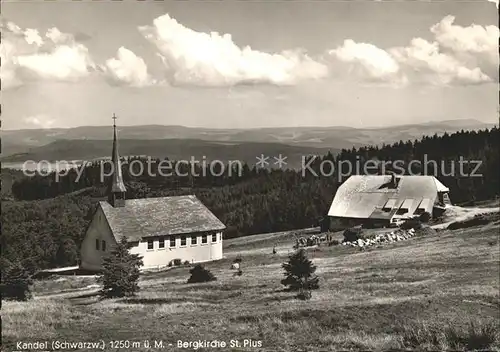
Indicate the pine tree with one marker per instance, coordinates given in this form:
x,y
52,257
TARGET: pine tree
x,y
200,274
16,282
120,273
299,274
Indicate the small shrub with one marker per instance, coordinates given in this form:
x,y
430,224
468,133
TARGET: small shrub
x,y
16,282
187,263
425,217
415,224
238,273
237,260
353,234
475,337
177,262
200,274
299,273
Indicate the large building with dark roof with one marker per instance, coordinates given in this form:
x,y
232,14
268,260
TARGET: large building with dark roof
x,y
382,200
159,229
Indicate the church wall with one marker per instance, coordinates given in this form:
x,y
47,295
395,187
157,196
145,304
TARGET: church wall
x,y
91,257
194,253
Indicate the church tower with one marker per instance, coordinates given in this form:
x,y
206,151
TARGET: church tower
x,y
116,186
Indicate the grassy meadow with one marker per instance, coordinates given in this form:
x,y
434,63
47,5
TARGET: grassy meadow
x,y
431,292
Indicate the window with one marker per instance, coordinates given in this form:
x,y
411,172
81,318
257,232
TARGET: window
x,y
446,199
423,206
172,241
204,239
214,237
405,207
103,245
97,244
151,244
183,240
161,243
194,240
389,205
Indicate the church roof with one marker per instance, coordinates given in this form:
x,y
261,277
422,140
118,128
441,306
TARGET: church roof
x,y
151,217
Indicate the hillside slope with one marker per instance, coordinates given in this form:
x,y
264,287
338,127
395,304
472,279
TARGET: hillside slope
x,y
400,296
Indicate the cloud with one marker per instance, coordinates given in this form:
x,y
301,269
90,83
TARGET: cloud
x,y
8,67
64,62
474,45
40,121
27,55
128,69
473,39
33,37
212,59
423,61
369,61
457,55
57,37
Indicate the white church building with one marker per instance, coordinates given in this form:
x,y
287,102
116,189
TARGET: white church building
x,y
160,230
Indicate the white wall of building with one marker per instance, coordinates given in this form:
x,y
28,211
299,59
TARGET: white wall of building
x,y
91,257
193,252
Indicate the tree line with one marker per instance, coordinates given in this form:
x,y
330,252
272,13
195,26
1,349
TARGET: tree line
x,y
43,221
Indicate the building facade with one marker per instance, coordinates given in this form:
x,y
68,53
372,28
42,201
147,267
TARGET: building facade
x,y
161,230
386,200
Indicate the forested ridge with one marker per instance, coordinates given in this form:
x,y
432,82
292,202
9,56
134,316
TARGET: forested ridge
x,y
43,221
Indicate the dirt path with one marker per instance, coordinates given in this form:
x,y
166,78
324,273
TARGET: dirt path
x,y
456,213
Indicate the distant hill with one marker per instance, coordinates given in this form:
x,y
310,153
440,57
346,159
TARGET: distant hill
x,y
88,142
174,149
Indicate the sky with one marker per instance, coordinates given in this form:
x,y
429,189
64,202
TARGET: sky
x,y
248,64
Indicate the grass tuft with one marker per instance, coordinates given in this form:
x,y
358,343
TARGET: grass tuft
x,y
476,336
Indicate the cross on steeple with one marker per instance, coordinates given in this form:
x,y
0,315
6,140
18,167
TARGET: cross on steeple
x,y
114,120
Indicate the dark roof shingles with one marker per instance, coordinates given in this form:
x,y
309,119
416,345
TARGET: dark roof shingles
x,y
149,217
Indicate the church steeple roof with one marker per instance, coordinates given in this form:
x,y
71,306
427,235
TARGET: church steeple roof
x,y
116,186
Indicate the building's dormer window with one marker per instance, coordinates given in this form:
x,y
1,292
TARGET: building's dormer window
x,y
97,242
402,211
405,207
389,205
